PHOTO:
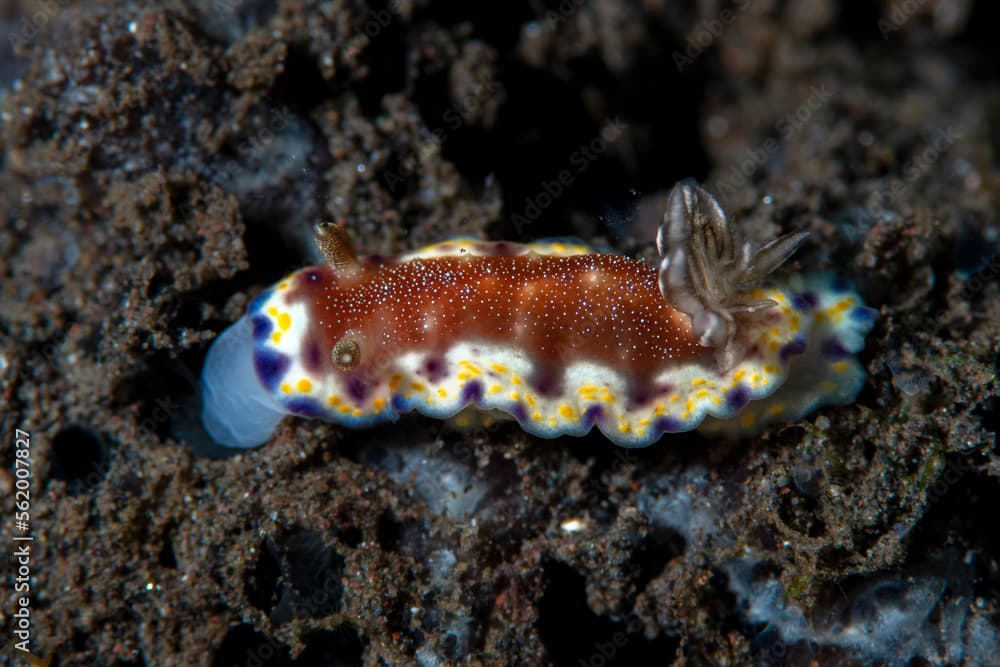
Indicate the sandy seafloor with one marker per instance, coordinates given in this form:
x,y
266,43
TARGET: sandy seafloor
x,y
161,164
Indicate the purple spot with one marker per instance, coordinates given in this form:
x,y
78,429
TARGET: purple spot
x,y
502,249
520,414
864,315
833,348
472,392
305,407
357,389
668,425
261,327
638,395
258,303
593,415
545,380
738,397
312,357
399,403
796,346
810,298
435,369
270,366
801,303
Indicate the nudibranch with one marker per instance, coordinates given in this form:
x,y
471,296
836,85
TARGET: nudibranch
x,y
558,336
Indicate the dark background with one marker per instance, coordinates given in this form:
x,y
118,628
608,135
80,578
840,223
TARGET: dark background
x,y
161,164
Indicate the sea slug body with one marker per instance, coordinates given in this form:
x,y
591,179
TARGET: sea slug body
x,y
558,336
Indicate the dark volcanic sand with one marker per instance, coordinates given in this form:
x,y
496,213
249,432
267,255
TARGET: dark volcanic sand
x,y
161,163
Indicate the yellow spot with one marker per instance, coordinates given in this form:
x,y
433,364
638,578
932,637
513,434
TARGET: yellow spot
x,y
701,393
820,316
567,412
516,380
283,286
495,389
553,421
304,386
471,367
684,415
624,427
464,376
272,311
697,382
840,366
499,368
276,336
378,403
771,368
716,400
793,322
416,386
776,409
345,409
333,400
284,321
747,419
773,345
660,409
675,398
357,412
394,382
689,405
514,396
286,388
643,422
537,416
588,389
442,392
530,399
